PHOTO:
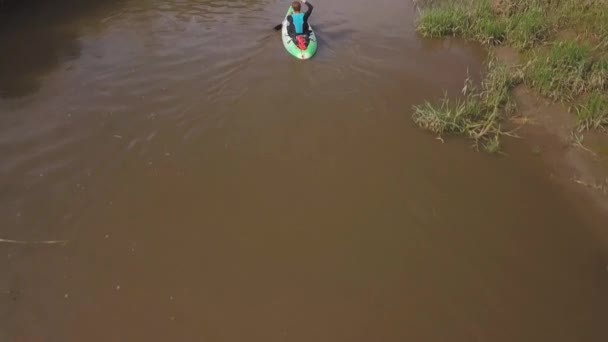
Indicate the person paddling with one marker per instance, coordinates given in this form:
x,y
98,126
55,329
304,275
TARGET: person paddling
x,y
298,36
298,21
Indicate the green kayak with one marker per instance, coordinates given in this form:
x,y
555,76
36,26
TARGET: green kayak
x,y
302,48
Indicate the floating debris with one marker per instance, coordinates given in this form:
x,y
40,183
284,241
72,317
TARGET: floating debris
x,y
45,242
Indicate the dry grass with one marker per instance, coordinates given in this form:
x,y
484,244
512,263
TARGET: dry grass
x,y
592,112
478,113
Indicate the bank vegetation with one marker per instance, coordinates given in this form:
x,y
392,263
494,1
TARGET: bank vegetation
x,y
563,47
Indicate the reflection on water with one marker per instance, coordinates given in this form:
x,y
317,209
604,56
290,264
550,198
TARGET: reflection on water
x,y
212,187
39,36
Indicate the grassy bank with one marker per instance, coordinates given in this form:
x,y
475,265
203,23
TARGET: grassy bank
x,y
519,23
572,70
477,114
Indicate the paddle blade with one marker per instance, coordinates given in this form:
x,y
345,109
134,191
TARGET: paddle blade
x,y
278,27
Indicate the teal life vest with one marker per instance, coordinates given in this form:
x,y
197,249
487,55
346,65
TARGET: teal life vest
x,y
298,22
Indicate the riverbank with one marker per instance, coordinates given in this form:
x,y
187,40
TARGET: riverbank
x,y
546,80
197,202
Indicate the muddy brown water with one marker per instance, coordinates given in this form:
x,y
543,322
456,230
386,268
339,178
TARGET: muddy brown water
x,y
213,188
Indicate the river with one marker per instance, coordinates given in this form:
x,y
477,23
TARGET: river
x,y
213,188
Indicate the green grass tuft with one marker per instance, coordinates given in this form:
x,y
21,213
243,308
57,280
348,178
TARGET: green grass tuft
x,y
570,53
485,25
447,20
592,113
473,19
491,31
528,28
562,73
